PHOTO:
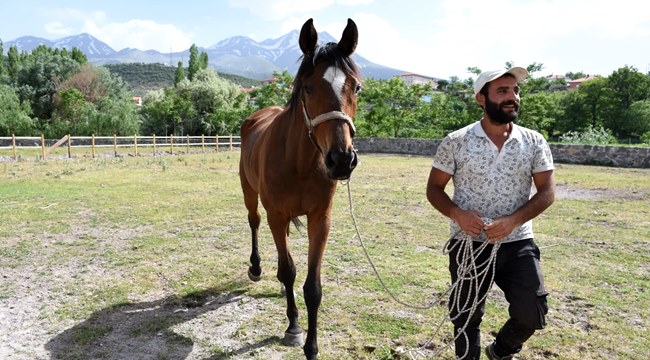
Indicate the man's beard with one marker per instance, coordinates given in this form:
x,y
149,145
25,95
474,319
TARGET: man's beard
x,y
496,112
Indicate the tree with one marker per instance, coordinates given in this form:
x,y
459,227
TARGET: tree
x,y
203,60
635,122
13,63
78,56
92,101
534,85
627,86
14,116
38,77
539,111
180,73
2,61
88,81
210,96
197,61
389,108
276,92
575,75
194,64
206,105
116,115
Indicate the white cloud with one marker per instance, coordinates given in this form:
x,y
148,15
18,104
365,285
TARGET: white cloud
x,y
283,9
57,28
277,10
135,33
140,34
557,33
386,45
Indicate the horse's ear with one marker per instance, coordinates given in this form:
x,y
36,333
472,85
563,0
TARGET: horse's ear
x,y
349,39
308,38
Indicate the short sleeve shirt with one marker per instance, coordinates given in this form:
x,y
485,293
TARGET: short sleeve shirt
x,y
494,183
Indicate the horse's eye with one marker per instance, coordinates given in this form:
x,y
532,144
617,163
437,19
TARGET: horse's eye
x,y
308,89
358,88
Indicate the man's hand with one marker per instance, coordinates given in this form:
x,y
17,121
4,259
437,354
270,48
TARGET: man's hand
x,y
470,221
499,228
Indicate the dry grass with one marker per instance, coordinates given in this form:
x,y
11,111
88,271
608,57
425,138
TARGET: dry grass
x,y
146,258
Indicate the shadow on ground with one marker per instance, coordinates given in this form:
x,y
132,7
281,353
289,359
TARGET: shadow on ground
x,y
143,330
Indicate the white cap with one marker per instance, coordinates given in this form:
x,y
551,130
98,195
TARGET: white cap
x,y
518,72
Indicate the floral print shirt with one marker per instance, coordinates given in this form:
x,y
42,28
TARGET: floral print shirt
x,y
494,183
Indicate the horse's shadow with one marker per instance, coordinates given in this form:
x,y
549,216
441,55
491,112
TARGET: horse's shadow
x,y
143,330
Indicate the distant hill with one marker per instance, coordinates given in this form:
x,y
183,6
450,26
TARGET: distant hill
x,y
237,55
142,78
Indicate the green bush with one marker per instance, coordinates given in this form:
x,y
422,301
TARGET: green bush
x,y
645,138
590,136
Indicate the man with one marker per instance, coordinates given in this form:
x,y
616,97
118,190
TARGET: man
x,y
493,163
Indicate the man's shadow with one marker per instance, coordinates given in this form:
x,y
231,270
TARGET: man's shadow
x,y
143,330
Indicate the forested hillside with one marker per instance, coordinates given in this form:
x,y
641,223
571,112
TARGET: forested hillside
x,y
141,77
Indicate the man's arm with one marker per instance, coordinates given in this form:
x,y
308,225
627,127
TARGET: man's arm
x,y
503,226
469,221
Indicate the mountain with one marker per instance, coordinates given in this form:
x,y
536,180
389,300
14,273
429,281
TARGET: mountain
x,y
88,44
238,55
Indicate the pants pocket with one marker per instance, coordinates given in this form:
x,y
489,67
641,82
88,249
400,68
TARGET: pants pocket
x,y
542,308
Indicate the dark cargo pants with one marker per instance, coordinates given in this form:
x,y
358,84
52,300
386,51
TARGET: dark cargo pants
x,y
519,276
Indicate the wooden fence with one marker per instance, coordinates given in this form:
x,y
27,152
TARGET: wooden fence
x,y
40,147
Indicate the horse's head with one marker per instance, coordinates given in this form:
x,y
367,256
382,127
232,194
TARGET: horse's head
x,y
325,94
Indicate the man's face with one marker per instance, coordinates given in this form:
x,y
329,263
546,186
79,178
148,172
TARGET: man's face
x,y
502,102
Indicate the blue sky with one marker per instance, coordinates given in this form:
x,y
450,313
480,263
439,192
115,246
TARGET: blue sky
x,y
439,38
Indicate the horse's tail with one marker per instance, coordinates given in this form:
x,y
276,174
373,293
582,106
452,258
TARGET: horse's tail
x,y
297,223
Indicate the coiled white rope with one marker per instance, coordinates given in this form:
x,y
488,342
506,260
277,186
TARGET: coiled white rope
x,y
470,276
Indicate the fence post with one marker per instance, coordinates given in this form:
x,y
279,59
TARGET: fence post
x,y
135,144
13,145
230,146
154,144
171,143
93,145
115,144
202,143
69,146
216,142
187,137
42,147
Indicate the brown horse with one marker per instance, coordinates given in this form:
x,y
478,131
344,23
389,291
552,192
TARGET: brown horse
x,y
292,157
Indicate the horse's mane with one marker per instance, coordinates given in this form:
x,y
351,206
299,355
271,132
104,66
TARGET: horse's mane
x,y
328,52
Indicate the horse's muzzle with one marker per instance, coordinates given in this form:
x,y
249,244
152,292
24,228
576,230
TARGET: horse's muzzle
x,y
341,163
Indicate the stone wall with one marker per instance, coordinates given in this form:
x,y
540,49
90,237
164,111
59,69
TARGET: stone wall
x,y
619,156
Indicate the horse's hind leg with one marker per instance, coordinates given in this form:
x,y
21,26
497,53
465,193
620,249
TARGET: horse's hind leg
x,y
251,202
287,276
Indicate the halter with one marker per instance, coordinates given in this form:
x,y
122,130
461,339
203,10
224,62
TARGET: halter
x,y
332,115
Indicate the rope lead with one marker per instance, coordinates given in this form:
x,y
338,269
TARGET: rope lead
x,y
470,275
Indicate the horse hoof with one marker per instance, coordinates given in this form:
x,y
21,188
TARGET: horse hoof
x,y
254,277
292,340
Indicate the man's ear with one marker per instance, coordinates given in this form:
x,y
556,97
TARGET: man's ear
x,y
480,99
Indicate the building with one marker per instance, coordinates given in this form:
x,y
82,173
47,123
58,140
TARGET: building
x,y
411,79
554,77
575,83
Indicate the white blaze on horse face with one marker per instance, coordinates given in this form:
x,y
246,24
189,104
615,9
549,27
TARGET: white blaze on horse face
x,y
337,79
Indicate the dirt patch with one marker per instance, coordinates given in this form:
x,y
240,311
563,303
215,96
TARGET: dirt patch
x,y
563,191
160,325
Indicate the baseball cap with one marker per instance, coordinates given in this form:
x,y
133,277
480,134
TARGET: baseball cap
x,y
518,72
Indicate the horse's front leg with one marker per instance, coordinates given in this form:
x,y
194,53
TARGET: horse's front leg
x,y
251,202
318,231
287,275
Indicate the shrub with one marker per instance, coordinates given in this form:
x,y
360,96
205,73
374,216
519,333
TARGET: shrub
x,y
590,136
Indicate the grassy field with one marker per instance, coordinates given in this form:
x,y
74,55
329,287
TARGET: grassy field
x,y
146,258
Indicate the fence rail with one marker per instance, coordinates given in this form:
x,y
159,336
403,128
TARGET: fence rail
x,y
15,146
